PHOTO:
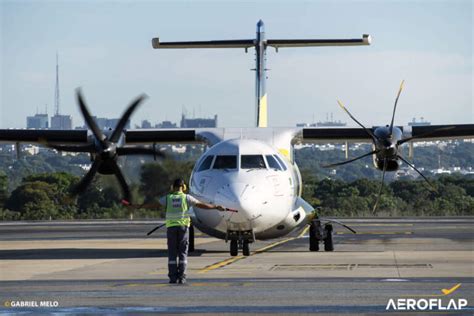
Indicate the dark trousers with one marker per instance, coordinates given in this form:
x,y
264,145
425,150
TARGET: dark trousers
x,y
178,241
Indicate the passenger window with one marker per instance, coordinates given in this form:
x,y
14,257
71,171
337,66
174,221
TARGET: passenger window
x,y
280,161
252,162
272,163
206,164
225,162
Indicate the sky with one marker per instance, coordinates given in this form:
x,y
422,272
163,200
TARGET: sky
x,y
105,48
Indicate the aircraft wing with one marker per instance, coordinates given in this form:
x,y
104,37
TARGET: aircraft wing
x,y
277,43
442,132
43,136
358,135
76,137
330,134
161,136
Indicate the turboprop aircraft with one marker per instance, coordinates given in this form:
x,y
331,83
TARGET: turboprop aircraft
x,y
249,170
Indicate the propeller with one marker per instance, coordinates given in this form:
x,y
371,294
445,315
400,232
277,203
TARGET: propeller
x,y
386,146
106,149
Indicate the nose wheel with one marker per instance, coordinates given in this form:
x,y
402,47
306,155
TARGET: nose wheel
x,y
240,240
235,245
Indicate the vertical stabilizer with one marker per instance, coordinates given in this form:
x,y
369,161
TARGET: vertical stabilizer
x,y
261,93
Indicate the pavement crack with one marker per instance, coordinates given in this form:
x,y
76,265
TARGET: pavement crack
x,y
396,263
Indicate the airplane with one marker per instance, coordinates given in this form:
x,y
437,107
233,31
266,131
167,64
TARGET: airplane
x,y
250,170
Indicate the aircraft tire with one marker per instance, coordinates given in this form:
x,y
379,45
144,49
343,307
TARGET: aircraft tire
x,y
313,240
234,249
191,239
245,248
328,242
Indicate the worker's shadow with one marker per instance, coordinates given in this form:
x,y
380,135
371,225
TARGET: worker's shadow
x,y
91,253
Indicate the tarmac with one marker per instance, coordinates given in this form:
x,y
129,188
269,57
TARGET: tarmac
x,y
112,267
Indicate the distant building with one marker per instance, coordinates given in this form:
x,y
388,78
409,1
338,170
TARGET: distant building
x,y
105,123
59,121
146,124
198,122
421,122
37,121
328,123
166,124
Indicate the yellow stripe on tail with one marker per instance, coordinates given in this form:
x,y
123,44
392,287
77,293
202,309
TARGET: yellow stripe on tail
x,y
262,112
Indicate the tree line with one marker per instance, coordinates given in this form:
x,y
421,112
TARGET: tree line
x,y
47,196
38,187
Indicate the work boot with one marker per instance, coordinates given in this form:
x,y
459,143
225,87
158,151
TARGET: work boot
x,y
172,281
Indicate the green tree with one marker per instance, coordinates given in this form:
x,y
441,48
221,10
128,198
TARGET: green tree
x,y
156,178
3,188
44,196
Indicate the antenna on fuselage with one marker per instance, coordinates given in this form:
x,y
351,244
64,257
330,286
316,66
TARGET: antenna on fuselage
x,y
260,43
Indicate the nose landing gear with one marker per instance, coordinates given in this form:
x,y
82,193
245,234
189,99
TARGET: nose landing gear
x,y
235,245
240,240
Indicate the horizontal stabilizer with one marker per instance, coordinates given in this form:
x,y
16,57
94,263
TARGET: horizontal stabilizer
x,y
245,43
277,43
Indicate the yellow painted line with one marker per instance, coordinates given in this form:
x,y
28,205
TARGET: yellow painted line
x,y
405,225
212,284
160,285
231,260
376,233
221,264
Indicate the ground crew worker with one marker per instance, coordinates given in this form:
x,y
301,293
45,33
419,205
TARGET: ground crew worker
x,y
177,223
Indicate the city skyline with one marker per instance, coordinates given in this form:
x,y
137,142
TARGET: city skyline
x,y
105,48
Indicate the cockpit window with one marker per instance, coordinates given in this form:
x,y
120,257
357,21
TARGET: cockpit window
x,y
280,161
252,162
206,164
225,162
272,163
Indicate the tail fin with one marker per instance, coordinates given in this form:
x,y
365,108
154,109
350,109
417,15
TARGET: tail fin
x,y
260,44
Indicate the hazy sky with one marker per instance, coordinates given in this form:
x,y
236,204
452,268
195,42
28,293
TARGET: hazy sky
x,y
105,48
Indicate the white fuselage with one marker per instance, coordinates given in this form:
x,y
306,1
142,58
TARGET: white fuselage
x,y
253,178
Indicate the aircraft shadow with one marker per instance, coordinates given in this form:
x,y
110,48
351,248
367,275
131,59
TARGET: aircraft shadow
x,y
91,253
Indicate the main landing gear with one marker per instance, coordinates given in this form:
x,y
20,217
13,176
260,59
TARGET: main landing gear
x,y
191,239
240,240
319,233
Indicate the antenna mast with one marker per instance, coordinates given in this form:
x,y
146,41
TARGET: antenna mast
x,y
56,92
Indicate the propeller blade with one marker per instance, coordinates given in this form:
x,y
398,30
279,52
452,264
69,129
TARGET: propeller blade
x,y
124,119
87,179
424,134
88,118
122,151
381,186
419,172
123,183
368,131
73,148
351,160
395,106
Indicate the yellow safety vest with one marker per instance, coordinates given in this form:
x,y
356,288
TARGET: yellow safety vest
x,y
177,212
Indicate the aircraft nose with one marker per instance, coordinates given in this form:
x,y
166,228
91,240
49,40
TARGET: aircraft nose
x,y
243,197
